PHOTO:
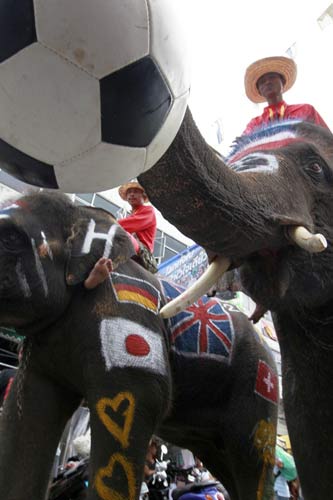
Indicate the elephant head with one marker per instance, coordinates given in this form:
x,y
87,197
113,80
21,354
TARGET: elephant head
x,y
268,210
105,346
249,209
36,255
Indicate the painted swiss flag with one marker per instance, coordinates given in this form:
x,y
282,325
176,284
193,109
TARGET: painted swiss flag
x,y
267,384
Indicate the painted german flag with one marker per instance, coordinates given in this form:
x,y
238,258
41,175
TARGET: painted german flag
x,y
135,291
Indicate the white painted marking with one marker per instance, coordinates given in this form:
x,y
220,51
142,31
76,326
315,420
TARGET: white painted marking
x,y
271,166
22,279
268,382
91,235
47,246
39,268
278,137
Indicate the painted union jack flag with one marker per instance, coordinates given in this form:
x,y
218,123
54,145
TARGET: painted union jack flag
x,y
203,328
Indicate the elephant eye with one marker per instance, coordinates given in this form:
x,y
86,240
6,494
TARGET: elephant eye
x,y
315,167
12,240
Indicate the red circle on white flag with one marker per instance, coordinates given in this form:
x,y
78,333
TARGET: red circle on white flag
x,y
137,345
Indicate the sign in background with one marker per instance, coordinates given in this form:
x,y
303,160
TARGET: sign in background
x,y
186,267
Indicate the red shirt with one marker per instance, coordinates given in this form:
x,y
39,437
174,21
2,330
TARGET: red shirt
x,y
142,222
283,110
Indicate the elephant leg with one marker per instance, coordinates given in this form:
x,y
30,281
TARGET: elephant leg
x,y
123,420
237,465
29,437
240,446
250,449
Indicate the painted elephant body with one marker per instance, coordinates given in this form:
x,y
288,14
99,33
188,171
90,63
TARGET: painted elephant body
x,y
276,180
216,395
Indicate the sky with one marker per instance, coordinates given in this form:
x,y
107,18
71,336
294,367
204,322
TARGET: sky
x,y
225,36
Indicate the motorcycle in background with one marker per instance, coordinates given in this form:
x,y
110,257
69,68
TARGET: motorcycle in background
x,y
195,483
71,483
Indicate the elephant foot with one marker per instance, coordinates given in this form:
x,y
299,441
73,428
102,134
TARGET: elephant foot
x,y
99,273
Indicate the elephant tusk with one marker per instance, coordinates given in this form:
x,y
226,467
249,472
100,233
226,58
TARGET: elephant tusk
x,y
313,243
215,270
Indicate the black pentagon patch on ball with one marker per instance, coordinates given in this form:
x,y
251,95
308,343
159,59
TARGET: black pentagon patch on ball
x,y
135,102
17,26
25,168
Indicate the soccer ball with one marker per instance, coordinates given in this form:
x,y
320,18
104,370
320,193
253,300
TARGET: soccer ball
x,y
92,92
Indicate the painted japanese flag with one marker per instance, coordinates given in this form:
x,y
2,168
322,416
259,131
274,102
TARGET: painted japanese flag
x,y
128,344
267,382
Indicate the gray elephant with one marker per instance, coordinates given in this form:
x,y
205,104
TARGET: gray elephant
x,y
269,212
212,389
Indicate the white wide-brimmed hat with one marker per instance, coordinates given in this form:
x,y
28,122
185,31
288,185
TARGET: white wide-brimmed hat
x,y
132,184
285,66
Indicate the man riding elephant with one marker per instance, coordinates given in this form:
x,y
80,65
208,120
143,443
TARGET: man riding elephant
x,y
141,227
266,80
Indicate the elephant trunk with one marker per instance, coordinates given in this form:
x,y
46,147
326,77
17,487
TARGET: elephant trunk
x,y
225,212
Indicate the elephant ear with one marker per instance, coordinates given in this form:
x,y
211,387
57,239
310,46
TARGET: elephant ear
x,y
95,234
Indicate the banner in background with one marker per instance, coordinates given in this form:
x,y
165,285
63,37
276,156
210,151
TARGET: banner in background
x,y
186,267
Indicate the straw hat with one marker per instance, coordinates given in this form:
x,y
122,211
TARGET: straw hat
x,y
132,184
285,66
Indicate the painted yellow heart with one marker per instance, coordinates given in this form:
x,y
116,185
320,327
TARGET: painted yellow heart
x,y
118,432
107,493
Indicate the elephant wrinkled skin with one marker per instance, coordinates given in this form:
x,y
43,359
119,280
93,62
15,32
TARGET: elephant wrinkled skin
x,y
110,347
245,209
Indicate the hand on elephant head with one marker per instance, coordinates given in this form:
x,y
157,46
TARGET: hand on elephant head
x,y
46,244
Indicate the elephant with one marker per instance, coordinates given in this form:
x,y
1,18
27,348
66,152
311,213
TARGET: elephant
x,y
213,389
267,210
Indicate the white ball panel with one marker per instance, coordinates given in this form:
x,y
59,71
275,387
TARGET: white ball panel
x,y
168,45
167,133
101,168
100,36
49,108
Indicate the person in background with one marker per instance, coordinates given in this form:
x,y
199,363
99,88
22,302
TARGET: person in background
x,y
265,81
150,461
294,489
141,223
281,488
141,228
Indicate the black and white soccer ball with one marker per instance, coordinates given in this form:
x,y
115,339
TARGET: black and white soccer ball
x,y
92,92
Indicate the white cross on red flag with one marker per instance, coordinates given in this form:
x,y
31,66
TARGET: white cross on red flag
x,y
267,384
